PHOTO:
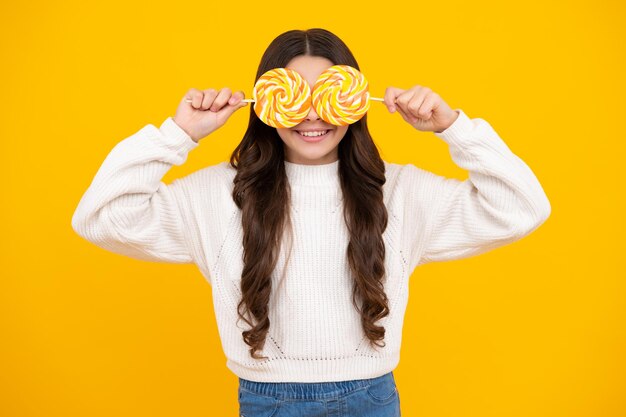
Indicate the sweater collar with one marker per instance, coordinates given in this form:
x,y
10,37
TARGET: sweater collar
x,y
320,175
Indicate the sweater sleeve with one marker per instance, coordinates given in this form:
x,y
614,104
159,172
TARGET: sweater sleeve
x,y
501,201
127,209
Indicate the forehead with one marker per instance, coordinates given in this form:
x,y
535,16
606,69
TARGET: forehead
x,y
309,67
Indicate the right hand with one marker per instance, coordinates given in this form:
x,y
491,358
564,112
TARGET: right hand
x,y
208,110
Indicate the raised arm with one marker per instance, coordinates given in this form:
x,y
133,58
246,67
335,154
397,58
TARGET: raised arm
x,y
127,209
501,201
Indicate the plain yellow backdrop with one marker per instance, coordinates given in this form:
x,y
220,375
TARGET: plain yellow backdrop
x,y
535,328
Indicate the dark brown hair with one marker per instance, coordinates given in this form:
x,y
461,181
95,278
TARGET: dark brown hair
x,y
261,191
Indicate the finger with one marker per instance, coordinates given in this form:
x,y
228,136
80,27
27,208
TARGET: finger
x,y
229,109
209,96
428,105
407,116
403,100
196,97
416,101
221,99
390,97
236,98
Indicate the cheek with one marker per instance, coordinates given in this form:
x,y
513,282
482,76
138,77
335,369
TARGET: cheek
x,y
284,134
341,133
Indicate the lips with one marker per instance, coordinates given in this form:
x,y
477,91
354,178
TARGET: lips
x,y
313,138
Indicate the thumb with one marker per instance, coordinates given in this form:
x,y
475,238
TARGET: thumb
x,y
390,98
227,111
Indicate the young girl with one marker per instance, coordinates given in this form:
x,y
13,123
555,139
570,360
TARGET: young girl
x,y
310,320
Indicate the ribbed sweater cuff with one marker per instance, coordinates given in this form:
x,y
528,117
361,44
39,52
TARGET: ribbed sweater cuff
x,y
457,132
176,137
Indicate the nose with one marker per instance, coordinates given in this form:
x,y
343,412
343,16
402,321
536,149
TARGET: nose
x,y
312,115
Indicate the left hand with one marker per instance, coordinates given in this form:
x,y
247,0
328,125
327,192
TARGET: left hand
x,y
420,107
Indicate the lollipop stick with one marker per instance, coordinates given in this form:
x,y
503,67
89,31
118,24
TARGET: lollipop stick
x,y
250,100
246,100
380,99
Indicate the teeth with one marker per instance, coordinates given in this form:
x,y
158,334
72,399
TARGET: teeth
x,y
313,134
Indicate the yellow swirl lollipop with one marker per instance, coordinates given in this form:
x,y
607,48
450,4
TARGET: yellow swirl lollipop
x,y
282,98
341,95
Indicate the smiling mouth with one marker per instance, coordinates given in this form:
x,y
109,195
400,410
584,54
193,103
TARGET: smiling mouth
x,y
315,136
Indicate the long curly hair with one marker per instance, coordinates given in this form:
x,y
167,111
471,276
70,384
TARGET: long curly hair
x,y
261,191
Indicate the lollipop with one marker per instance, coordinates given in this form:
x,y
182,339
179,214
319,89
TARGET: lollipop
x,y
281,98
341,95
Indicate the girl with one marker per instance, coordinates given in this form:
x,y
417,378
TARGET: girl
x,y
310,320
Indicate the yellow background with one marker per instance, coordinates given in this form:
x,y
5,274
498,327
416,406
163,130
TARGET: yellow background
x,y
536,328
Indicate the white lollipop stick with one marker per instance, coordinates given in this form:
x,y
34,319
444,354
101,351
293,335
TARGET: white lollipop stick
x,y
250,100
247,100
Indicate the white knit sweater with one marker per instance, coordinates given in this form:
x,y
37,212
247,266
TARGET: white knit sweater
x,y
315,333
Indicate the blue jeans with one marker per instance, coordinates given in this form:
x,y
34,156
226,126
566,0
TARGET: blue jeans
x,y
373,397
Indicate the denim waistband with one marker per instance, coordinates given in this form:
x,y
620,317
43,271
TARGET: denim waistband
x,y
309,390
